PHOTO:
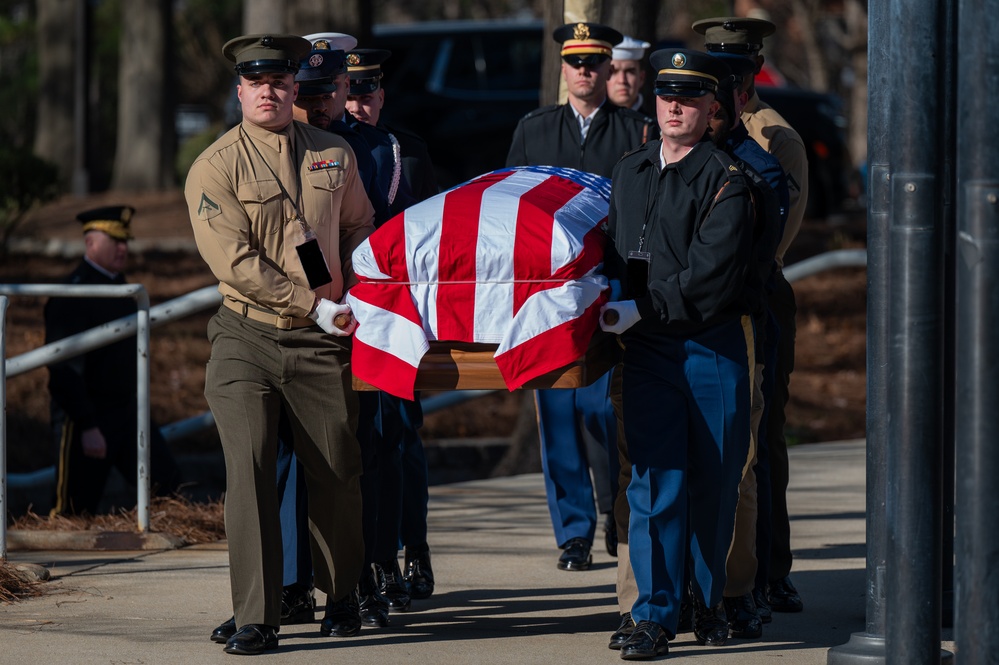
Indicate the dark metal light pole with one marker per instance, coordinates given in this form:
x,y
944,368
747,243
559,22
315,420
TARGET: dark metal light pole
x,y
915,358
869,647
977,511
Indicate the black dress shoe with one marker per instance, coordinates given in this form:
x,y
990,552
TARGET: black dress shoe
x,y
743,621
253,638
783,596
623,632
610,534
576,555
374,607
392,586
343,617
648,641
298,605
710,624
419,576
224,632
762,606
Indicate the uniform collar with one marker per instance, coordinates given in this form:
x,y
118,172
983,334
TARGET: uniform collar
x,y
106,273
268,137
692,162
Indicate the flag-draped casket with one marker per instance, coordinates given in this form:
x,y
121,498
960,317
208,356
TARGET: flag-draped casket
x,y
508,259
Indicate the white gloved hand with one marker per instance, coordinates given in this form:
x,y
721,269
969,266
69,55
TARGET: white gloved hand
x,y
616,317
334,318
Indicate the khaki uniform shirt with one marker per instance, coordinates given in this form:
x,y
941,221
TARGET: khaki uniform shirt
x,y
250,212
778,138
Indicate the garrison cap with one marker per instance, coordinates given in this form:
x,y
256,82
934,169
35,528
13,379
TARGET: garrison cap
x,y
265,54
319,68
686,73
629,48
743,36
586,43
112,220
365,68
332,41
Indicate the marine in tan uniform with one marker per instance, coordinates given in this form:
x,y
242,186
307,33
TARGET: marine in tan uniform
x,y
773,587
277,209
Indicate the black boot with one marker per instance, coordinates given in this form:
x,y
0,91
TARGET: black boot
x,y
710,624
298,605
343,617
392,586
374,606
419,576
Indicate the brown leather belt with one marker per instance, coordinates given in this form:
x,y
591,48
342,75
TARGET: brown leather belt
x,y
256,314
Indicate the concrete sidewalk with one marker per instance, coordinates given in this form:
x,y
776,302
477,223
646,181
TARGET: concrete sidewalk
x,y
499,596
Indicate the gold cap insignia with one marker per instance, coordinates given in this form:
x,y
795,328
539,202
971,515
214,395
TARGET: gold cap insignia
x,y
679,60
582,31
353,60
126,215
321,45
315,60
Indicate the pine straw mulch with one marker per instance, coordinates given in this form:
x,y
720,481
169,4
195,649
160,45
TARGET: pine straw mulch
x,y
194,523
16,586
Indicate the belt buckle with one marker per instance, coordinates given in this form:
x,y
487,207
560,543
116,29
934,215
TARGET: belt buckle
x,y
283,322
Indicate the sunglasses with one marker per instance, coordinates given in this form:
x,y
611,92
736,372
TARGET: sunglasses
x,y
588,60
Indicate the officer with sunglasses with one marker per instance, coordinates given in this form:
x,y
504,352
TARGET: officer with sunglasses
x,y
578,427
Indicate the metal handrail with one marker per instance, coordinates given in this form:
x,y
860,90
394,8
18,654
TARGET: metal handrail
x,y
138,293
208,296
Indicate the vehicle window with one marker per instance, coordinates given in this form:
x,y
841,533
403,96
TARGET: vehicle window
x,y
464,66
512,62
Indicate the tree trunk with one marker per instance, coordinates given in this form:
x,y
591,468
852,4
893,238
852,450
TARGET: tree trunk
x,y
551,74
351,17
260,16
855,13
56,67
144,122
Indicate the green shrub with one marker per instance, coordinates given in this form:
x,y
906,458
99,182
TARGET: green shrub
x,y
25,181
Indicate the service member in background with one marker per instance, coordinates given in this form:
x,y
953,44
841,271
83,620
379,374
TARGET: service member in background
x,y
770,196
93,394
277,210
578,427
681,231
744,36
365,103
627,76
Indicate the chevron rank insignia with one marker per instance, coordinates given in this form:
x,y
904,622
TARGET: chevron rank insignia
x,y
208,208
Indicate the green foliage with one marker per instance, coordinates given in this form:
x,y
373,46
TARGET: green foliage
x,y
18,73
25,180
191,148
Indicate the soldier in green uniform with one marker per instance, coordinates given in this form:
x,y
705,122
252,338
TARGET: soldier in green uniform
x,y
277,209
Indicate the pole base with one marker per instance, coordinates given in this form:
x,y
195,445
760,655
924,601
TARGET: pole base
x,y
864,649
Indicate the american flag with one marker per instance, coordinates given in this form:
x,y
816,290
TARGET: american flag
x,y
508,258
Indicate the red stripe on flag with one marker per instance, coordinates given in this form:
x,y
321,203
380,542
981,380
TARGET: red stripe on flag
x,y
388,246
593,252
396,298
456,259
532,248
383,370
549,350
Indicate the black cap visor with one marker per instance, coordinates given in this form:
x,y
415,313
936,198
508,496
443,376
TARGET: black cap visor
x,y
267,67
691,88
363,86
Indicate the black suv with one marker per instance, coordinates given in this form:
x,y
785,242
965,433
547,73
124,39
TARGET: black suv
x,y
463,85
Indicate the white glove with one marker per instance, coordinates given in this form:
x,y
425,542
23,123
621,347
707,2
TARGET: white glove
x,y
326,314
626,312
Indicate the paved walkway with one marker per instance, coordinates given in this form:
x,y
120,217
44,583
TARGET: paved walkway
x,y
499,597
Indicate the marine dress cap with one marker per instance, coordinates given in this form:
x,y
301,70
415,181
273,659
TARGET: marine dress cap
x,y
365,68
586,43
733,34
319,68
630,48
112,220
686,73
266,54
332,41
